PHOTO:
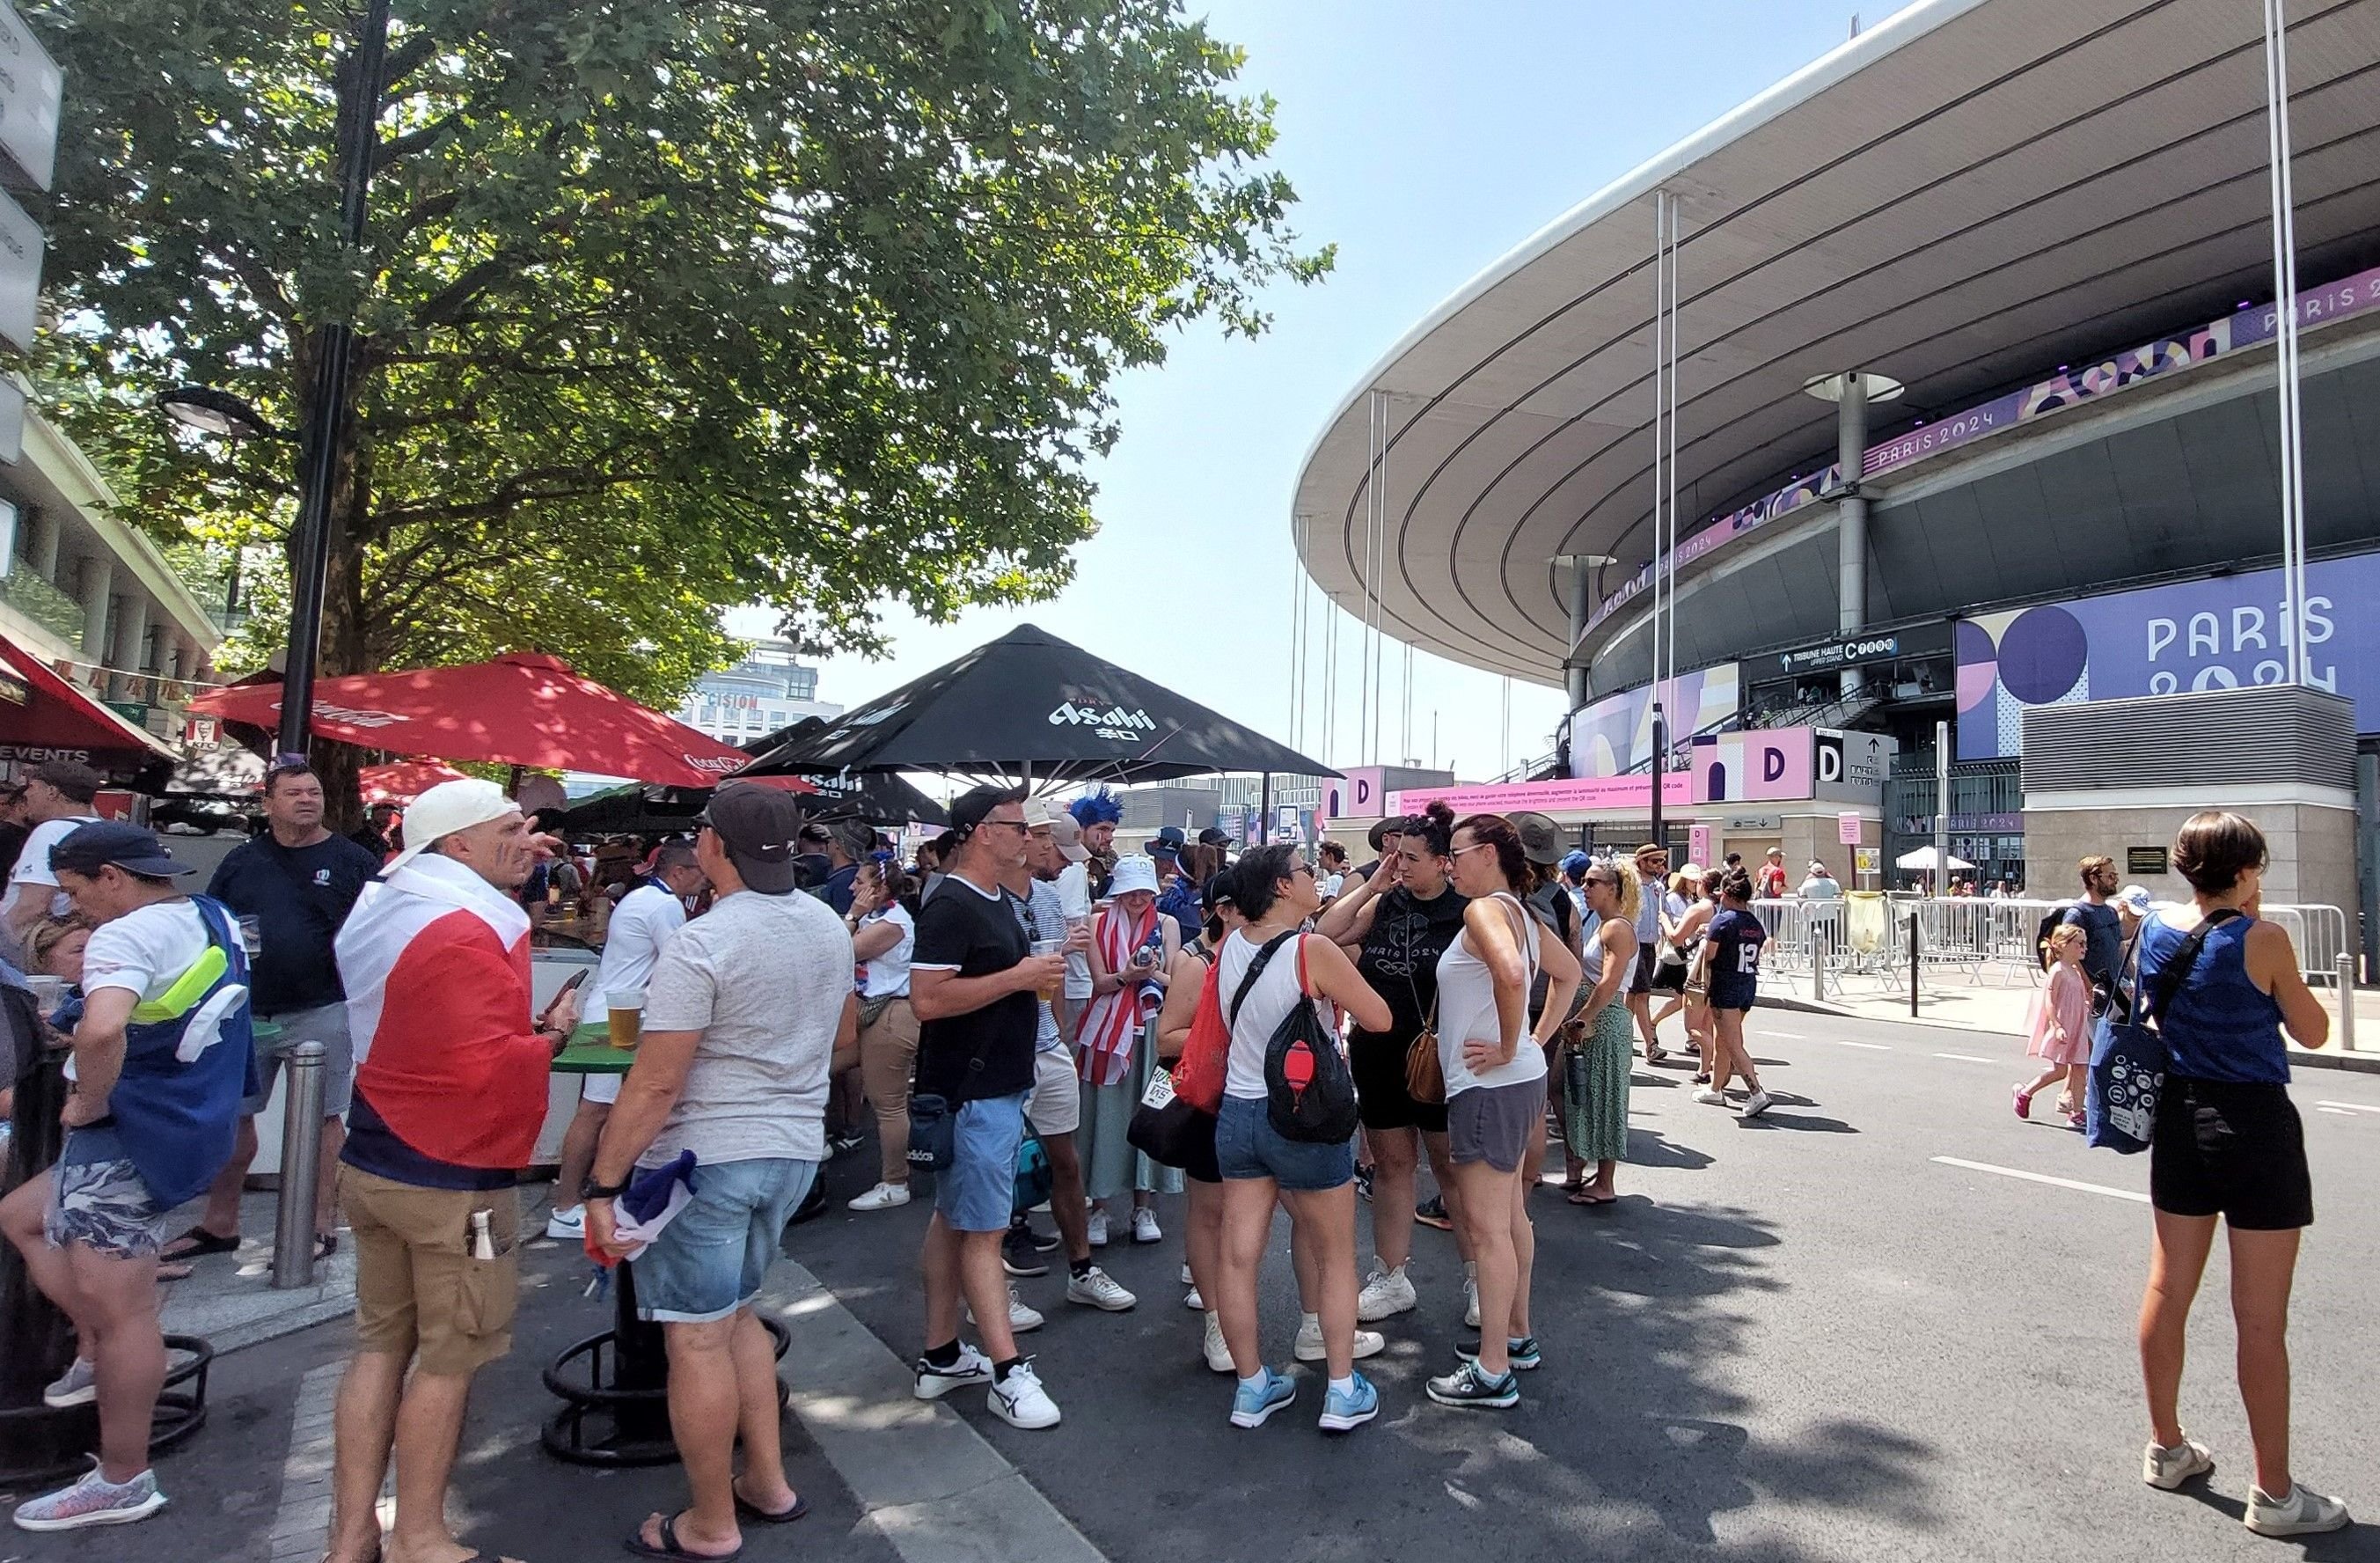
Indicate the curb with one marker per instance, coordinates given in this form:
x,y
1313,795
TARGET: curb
x,y
2328,1058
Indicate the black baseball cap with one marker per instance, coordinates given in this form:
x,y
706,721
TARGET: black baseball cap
x,y
1215,836
757,825
105,843
974,805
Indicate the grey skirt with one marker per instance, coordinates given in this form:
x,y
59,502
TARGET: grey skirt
x,y
1112,1166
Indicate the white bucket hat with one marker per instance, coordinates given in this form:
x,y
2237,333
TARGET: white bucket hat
x,y
447,808
1135,873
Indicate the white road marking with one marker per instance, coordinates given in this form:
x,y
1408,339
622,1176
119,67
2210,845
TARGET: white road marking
x,y
2044,1177
2350,1106
2342,1112
1966,1058
1871,1046
1789,1036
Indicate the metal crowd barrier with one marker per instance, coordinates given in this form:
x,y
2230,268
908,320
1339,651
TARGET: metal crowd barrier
x,y
1866,934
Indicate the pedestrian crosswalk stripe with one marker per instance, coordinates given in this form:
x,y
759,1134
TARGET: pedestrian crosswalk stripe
x,y
1966,1057
2351,1107
2044,1177
1871,1046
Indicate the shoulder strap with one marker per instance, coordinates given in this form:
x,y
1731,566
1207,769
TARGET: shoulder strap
x,y
2177,972
1256,967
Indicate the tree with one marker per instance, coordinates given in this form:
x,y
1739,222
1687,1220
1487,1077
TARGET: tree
x,y
662,307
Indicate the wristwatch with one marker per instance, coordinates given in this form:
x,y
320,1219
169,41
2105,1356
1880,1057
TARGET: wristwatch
x,y
591,1189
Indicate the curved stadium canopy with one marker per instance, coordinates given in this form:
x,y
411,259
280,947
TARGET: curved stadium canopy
x,y
1959,199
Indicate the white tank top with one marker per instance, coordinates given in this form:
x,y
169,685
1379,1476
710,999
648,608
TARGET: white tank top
x,y
1590,938
1261,1013
1466,1009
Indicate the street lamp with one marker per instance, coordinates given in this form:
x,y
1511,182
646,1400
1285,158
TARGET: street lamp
x,y
220,412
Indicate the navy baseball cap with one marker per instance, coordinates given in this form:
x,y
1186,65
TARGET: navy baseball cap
x,y
88,848
1168,843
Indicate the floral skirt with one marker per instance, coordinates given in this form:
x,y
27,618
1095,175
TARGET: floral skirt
x,y
1595,1088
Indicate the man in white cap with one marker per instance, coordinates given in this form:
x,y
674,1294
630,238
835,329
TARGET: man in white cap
x,y
1821,885
450,1091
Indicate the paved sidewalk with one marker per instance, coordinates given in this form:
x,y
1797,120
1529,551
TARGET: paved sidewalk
x,y
229,1298
2002,1003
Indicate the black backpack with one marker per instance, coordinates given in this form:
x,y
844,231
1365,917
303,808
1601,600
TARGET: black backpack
x,y
2048,923
1309,1094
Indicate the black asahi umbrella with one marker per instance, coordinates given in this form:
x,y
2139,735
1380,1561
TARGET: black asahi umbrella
x,y
1030,706
878,797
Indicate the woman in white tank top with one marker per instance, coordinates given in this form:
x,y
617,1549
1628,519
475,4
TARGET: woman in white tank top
x,y
1495,1095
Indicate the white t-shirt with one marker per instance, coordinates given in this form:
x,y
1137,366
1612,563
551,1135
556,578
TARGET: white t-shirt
x,y
145,951
1329,887
643,922
1074,901
33,863
888,974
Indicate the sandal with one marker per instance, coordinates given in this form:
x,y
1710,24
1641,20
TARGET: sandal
x,y
197,1243
325,1245
747,1509
669,1549
1580,1196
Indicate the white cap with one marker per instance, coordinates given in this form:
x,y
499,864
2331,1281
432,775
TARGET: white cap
x,y
447,808
1135,873
1038,814
2134,899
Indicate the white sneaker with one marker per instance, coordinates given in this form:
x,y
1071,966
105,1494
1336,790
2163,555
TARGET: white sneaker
x,y
1096,1289
933,1383
1187,1278
1386,1294
2168,1468
1020,1317
1310,1348
568,1224
1099,1229
1470,1303
1143,1226
884,1196
1019,1399
2303,1513
79,1386
1219,1355
1755,1103
1192,1301
1711,1096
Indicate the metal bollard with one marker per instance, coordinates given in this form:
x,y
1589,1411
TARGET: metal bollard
x,y
301,1162
2347,1004
1818,951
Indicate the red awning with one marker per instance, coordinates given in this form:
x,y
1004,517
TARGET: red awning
x,y
518,709
404,781
42,717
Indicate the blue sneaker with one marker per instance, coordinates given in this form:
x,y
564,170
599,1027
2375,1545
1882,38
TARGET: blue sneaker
x,y
1345,1412
1254,1402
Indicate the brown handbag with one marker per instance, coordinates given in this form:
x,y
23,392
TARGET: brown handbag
x,y
1425,1076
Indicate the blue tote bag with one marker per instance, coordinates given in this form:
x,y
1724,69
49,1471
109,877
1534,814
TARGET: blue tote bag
x,y
2128,1055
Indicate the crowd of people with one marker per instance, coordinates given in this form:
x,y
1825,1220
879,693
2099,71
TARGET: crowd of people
x,y
1254,1032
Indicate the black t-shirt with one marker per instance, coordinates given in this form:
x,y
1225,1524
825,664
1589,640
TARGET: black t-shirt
x,y
986,1052
299,896
1399,956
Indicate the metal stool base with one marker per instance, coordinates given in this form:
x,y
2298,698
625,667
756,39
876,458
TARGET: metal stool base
x,y
603,1426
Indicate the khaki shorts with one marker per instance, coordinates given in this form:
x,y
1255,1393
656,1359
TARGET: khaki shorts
x,y
1056,1105
418,1286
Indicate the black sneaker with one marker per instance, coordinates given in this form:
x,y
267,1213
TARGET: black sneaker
x,y
1521,1351
1020,1254
1431,1212
1466,1385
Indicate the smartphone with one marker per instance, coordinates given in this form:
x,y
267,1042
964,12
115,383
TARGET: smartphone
x,y
572,984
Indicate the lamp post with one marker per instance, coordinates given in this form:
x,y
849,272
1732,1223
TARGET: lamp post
x,y
323,429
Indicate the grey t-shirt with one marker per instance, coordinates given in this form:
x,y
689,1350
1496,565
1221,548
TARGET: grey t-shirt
x,y
764,979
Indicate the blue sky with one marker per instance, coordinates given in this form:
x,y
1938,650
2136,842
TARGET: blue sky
x,y
1425,140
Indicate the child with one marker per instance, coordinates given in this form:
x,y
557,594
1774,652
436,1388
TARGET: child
x,y
2061,1026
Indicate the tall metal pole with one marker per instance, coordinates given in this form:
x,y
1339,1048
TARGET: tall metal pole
x,y
324,428
2285,319
1660,365
1941,807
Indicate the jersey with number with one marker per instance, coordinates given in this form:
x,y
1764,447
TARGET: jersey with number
x,y
1736,938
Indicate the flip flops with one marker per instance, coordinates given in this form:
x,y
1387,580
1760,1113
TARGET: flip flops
x,y
201,1243
670,1550
747,1509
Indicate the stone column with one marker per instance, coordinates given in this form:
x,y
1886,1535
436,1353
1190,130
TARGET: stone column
x,y
96,576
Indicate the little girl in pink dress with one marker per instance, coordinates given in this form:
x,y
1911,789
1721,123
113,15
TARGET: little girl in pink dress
x,y
2061,1026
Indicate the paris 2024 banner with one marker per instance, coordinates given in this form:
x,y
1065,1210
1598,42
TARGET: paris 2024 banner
x,y
2220,633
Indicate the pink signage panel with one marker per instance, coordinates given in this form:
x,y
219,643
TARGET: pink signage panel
x,y
1764,765
1577,793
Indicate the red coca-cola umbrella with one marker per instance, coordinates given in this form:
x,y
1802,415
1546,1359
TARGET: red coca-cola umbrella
x,y
519,709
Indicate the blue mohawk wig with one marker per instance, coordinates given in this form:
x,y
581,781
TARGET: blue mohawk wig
x,y
1099,808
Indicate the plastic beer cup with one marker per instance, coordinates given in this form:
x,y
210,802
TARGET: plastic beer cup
x,y
627,1017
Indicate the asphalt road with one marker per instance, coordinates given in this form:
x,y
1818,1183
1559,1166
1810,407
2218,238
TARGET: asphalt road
x,y
1797,1337
1802,1337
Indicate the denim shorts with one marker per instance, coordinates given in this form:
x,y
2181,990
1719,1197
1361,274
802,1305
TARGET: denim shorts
x,y
1246,1146
714,1258
978,1191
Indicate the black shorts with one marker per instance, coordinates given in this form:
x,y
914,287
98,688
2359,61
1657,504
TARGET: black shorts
x,y
1381,1101
1641,978
2230,1149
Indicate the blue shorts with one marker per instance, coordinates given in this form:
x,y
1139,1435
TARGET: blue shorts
x,y
1246,1146
711,1260
978,1191
1734,995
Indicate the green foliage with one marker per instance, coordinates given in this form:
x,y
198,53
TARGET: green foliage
x,y
663,308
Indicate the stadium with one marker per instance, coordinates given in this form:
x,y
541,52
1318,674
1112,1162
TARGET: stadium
x,y
2010,266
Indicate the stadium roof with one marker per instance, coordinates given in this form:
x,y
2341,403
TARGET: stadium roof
x,y
1962,196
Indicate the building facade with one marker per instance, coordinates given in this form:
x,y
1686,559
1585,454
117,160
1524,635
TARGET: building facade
x,y
768,689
